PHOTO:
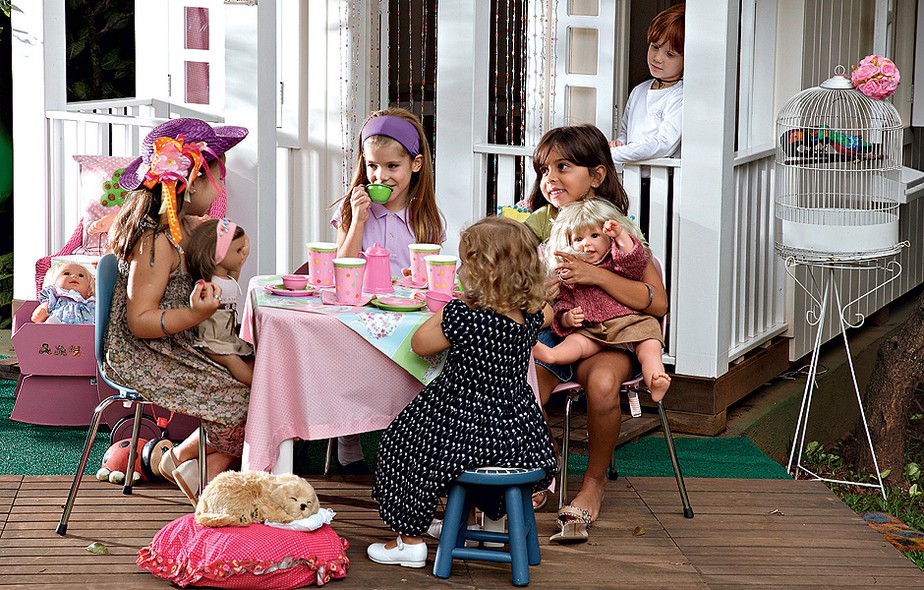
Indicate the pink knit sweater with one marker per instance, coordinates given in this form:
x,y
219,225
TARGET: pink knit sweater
x,y
597,304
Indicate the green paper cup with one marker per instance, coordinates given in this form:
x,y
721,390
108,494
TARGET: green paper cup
x,y
379,193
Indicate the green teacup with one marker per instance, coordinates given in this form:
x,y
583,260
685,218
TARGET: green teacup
x,y
379,193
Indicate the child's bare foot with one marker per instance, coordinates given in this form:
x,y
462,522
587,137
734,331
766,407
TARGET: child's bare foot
x,y
660,382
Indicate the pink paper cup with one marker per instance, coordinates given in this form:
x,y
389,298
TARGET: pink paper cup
x,y
418,266
321,263
441,272
348,280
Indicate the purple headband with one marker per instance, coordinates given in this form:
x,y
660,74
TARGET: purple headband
x,y
401,130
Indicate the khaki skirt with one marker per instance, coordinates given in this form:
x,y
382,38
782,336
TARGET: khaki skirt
x,y
624,330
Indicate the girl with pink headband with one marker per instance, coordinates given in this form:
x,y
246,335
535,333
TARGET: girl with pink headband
x,y
392,150
216,253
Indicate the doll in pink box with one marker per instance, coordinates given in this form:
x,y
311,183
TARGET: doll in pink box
x,y
68,298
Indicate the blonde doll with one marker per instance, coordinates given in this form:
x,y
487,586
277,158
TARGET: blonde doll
x,y
588,317
216,252
69,299
480,410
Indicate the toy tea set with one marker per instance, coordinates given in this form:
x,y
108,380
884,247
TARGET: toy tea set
x,y
367,279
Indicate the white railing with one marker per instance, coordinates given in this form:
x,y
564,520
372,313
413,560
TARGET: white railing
x,y
758,289
758,283
98,128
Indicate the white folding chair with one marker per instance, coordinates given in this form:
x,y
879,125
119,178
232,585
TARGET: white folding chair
x,y
106,273
573,391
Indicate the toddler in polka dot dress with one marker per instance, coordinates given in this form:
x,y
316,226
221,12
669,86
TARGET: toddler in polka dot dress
x,y
480,411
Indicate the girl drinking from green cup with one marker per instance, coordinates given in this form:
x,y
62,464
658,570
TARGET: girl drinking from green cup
x,y
392,151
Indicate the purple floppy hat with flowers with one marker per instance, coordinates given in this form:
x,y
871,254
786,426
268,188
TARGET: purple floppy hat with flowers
x,y
172,155
218,140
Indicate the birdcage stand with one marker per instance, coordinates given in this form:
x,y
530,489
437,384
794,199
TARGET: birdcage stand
x,y
828,291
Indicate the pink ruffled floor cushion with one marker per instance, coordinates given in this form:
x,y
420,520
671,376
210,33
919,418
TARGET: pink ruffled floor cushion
x,y
255,556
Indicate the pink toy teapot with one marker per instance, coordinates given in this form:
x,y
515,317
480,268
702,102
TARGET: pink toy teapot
x,y
378,270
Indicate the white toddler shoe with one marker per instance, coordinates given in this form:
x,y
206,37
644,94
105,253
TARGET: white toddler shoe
x,y
403,554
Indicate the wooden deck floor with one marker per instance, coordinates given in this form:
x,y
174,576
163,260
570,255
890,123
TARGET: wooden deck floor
x,y
769,533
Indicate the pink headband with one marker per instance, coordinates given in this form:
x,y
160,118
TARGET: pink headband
x,y
225,230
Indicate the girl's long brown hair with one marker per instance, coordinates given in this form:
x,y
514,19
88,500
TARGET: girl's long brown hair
x,y
424,218
137,216
582,145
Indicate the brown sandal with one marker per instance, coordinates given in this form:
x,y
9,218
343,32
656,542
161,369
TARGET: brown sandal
x,y
574,522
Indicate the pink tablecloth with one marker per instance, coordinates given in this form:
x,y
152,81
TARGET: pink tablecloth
x,y
315,378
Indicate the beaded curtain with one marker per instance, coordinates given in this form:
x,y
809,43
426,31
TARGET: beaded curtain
x,y
520,92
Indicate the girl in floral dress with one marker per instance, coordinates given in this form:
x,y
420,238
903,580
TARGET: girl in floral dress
x,y
149,343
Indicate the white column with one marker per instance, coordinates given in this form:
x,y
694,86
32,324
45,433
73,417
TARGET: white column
x,y
250,54
38,64
461,112
706,206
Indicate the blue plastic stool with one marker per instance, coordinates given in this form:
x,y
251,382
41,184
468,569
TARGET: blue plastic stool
x,y
521,522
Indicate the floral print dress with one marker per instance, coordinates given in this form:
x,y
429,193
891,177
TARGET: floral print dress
x,y
172,372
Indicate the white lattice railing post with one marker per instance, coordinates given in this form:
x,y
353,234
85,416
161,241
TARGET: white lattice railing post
x,y
462,114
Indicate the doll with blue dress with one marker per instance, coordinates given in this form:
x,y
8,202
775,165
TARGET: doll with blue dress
x,y
68,298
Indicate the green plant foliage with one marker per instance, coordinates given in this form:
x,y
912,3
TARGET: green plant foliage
x,y
100,49
6,290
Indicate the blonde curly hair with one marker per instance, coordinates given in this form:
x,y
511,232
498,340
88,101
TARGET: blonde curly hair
x,y
501,267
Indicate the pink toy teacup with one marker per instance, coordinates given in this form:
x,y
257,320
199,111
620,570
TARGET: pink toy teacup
x,y
348,279
320,263
441,272
294,282
436,300
418,266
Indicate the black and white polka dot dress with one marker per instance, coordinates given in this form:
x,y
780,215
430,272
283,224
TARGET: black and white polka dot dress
x,y
480,411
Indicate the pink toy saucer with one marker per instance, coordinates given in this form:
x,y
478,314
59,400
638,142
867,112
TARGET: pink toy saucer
x,y
283,292
407,282
330,298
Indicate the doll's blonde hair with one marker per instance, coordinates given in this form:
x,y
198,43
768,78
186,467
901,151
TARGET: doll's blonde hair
x,y
501,268
581,216
55,271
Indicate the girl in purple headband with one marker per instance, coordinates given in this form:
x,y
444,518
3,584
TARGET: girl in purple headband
x,y
392,150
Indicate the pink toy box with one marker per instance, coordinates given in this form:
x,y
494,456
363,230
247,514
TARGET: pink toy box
x,y
58,382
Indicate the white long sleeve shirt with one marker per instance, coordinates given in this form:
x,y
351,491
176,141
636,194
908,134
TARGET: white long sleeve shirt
x,y
651,124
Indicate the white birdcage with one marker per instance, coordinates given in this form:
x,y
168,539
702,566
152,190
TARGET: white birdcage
x,y
838,174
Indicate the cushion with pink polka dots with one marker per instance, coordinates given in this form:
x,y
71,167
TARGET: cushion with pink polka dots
x,y
94,180
255,556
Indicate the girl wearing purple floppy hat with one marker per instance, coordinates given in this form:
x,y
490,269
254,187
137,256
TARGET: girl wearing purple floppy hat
x,y
155,303
392,150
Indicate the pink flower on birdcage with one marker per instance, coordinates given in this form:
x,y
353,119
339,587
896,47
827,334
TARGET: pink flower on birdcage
x,y
877,77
